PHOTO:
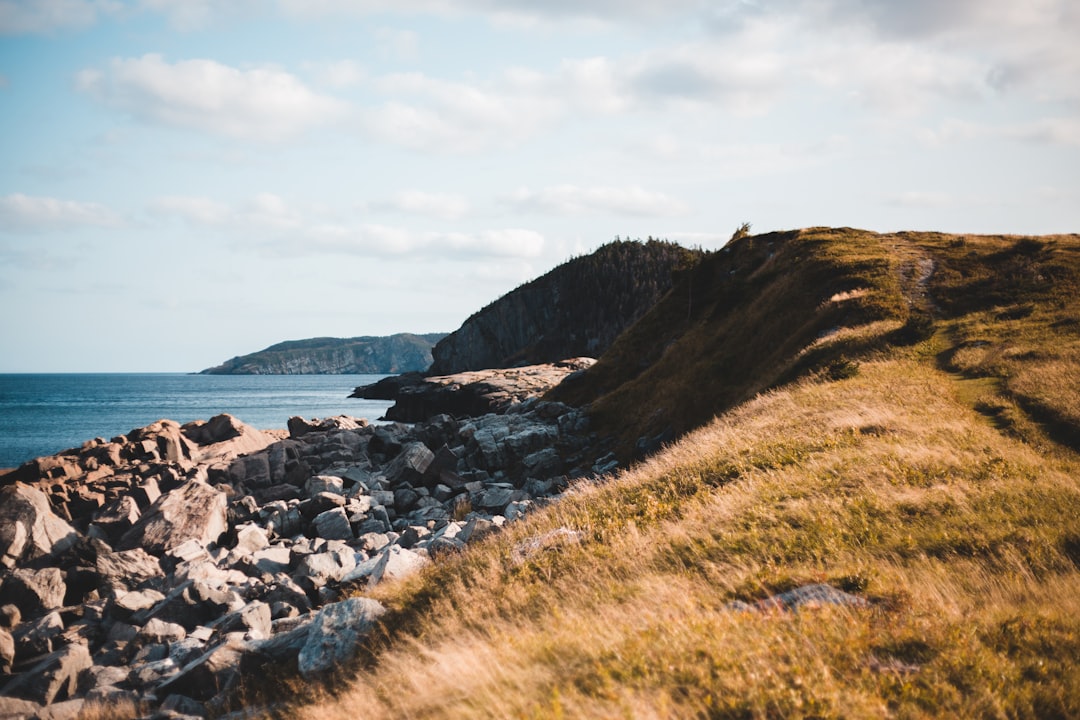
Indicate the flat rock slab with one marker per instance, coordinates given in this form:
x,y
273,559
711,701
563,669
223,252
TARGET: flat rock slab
x,y
469,394
336,632
56,677
28,527
193,511
807,596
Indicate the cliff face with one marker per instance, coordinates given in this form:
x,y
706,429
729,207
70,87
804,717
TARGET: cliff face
x,y
335,356
577,309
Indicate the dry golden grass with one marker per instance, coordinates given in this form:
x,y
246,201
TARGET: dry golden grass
x,y
885,484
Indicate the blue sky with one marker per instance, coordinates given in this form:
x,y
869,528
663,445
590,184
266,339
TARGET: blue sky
x,y
182,181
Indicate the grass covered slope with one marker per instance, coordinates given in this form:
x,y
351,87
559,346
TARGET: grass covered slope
x,y
913,447
884,484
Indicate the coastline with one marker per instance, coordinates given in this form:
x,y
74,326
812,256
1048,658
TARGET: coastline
x,y
276,531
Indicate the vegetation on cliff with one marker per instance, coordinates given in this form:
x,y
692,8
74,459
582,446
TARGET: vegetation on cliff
x,y
576,309
907,435
399,353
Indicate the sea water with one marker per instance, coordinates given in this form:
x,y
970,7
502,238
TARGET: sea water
x,y
44,414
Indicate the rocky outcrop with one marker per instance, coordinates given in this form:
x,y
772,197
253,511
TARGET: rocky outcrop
x,y
399,353
468,394
577,309
165,565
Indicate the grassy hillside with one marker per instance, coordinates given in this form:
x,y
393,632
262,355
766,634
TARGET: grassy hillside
x,y
892,415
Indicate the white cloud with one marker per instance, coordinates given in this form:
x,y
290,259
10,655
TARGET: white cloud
x,y
371,240
337,73
427,113
518,11
19,17
444,206
1064,131
261,103
897,77
276,227
28,214
185,15
921,199
402,45
574,200
197,210
1050,130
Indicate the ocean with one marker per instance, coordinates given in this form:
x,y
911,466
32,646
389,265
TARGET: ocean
x,y
44,414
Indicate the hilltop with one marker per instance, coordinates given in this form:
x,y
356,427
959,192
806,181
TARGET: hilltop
x,y
403,352
576,309
864,503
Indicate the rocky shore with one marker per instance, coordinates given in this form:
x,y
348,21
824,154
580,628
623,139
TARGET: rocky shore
x,y
163,566
475,392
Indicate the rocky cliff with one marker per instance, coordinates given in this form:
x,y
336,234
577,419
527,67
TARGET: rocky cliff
x,y
576,310
399,353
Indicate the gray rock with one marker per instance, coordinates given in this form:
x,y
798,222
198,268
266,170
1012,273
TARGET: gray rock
x,y
16,709
193,511
250,539
7,652
324,484
494,498
34,592
38,637
160,631
117,517
253,620
409,466
272,560
336,632
392,563
333,525
327,566
54,678
127,604
67,710
149,674
127,568
251,470
28,527
10,616
282,647
214,672
102,676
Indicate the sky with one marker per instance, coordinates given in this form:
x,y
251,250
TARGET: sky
x,y
183,181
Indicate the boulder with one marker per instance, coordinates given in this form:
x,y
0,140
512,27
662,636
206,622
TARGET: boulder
x,y
333,525
127,569
193,511
160,631
54,678
38,637
324,484
127,604
409,466
7,652
34,592
335,633
253,620
28,527
117,517
251,470
16,709
214,672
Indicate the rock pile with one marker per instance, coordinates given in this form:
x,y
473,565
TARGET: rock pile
x,y
164,565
